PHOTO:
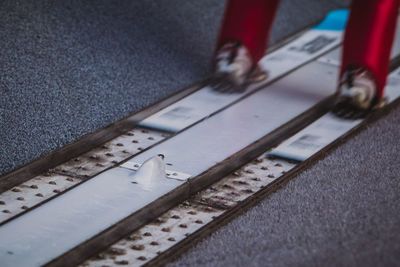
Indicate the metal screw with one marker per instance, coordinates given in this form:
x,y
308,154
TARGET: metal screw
x,y
137,247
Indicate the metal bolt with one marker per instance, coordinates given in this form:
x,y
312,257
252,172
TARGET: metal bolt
x,y
122,262
117,251
39,195
20,198
137,247
52,182
247,191
171,239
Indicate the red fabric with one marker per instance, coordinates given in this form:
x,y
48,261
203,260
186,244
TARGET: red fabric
x,y
369,37
248,21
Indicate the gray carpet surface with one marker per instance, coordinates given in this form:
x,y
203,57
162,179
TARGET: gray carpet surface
x,y
70,67
343,211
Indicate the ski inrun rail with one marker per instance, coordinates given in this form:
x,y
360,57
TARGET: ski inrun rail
x,y
99,198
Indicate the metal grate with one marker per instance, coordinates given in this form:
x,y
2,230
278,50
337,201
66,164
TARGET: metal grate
x,y
40,188
180,222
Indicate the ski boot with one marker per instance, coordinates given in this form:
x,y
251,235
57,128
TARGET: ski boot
x,y
234,69
357,95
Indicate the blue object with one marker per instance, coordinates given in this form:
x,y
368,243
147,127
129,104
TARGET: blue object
x,y
334,21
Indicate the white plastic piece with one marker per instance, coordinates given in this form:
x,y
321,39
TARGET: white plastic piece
x,y
154,161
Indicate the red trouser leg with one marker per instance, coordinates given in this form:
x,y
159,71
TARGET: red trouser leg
x,y
369,37
248,21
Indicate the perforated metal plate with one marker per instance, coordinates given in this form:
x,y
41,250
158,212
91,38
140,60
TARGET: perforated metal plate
x,y
180,222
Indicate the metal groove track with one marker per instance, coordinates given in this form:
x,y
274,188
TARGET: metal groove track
x,y
184,191
172,233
